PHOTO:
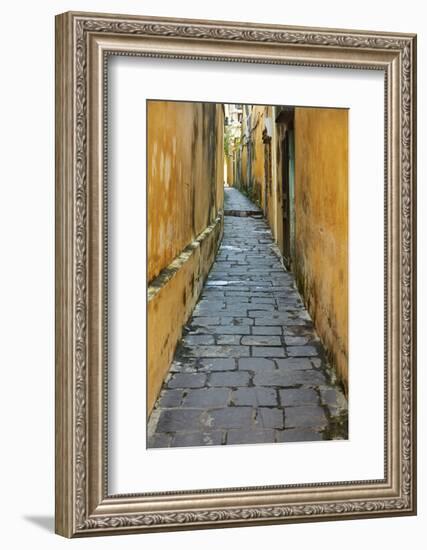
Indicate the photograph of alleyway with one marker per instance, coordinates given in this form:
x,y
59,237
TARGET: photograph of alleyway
x,y
248,274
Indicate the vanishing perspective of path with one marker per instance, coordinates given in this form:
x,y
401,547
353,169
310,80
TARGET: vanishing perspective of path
x,y
250,367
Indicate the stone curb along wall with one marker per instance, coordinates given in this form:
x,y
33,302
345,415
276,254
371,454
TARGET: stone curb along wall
x,y
171,300
185,160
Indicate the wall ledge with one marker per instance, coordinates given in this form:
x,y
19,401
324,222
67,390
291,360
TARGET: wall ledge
x,y
170,271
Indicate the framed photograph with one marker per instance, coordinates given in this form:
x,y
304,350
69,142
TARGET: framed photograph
x,y
235,274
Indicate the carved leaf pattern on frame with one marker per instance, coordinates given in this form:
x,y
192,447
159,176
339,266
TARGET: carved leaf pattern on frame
x,y
230,33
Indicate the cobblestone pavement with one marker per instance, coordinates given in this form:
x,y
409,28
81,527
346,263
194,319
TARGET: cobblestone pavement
x,y
250,367
237,204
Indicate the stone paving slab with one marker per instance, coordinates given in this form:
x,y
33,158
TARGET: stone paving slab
x,y
255,397
306,416
236,202
250,367
229,379
294,397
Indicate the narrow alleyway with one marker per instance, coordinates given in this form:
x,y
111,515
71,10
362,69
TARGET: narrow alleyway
x,y
250,368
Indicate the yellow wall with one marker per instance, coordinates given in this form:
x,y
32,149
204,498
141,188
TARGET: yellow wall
x,y
184,180
229,170
185,153
244,168
270,208
257,168
277,212
321,218
253,183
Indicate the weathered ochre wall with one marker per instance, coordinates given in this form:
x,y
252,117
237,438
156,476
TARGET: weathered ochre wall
x,y
257,159
244,170
251,178
321,224
277,210
183,176
270,206
185,154
229,170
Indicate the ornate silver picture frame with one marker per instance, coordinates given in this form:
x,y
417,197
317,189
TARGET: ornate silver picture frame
x,y
84,42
